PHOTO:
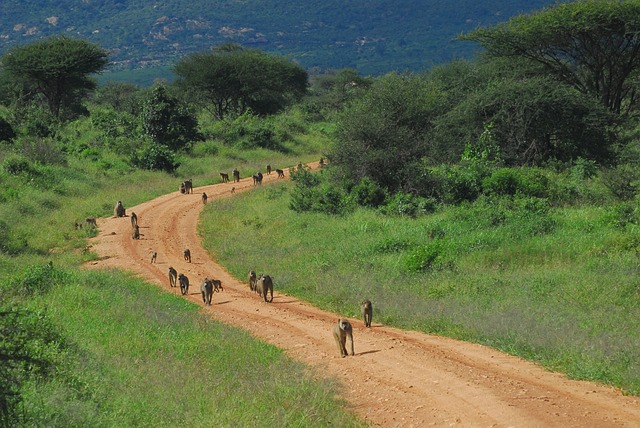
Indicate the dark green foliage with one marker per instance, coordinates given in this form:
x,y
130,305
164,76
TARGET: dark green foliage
x,y
155,157
231,80
16,165
311,193
168,121
408,205
512,181
367,193
622,181
6,131
383,134
591,45
58,69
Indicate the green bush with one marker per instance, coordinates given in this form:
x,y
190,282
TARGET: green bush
x,y
16,165
155,157
408,205
368,193
512,181
38,279
6,131
622,181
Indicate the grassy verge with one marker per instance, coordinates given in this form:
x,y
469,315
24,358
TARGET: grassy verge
x,y
149,358
125,353
553,285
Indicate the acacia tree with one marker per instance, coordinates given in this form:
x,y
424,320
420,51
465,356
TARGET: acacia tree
x,y
57,68
231,79
593,45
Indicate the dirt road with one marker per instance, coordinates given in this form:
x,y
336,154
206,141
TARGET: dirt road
x,y
396,378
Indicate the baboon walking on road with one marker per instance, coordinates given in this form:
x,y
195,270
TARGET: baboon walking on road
x,y
136,232
341,331
206,289
187,255
154,256
252,280
134,219
173,276
236,175
367,312
225,177
204,198
264,285
184,284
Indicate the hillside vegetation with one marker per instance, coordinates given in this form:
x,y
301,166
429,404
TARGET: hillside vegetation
x,y
374,37
493,200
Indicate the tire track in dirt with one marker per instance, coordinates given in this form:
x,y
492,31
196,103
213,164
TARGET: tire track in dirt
x,y
397,378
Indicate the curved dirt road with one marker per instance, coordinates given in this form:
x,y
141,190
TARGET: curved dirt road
x,y
397,378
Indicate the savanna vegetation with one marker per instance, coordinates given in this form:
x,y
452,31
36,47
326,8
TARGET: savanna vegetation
x,y
493,200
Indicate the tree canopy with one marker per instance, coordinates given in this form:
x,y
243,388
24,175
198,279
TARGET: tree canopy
x,y
57,68
593,45
231,79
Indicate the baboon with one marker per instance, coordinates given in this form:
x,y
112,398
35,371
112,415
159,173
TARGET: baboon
x,y
257,179
188,186
225,177
173,276
90,221
233,190
136,232
252,280
217,285
118,211
204,198
268,169
236,175
187,255
77,225
300,167
367,312
263,286
184,284
207,291
134,219
280,173
341,331
182,188
321,162
154,256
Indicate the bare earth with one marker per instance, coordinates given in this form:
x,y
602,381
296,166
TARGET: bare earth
x,y
397,378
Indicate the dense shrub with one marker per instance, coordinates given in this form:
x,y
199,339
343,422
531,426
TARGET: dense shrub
x,y
622,181
516,181
155,157
408,205
6,131
38,279
16,165
430,257
368,193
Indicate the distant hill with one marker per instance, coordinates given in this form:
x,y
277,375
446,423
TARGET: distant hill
x,y
372,36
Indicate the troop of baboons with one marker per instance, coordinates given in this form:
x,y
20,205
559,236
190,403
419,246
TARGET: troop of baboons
x,y
261,284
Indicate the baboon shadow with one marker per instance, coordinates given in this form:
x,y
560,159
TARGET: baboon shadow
x,y
368,352
222,303
284,301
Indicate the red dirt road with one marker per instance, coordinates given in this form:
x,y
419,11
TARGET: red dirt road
x,y
397,378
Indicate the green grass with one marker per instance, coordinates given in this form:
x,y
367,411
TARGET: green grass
x,y
558,286
149,358
133,355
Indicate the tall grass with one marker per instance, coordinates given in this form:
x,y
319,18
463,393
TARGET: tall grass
x,y
150,358
554,285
